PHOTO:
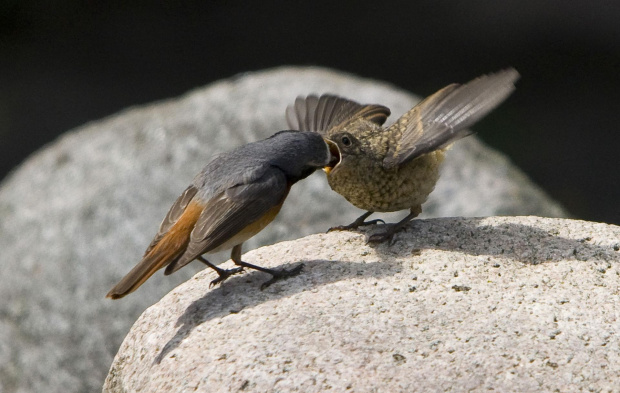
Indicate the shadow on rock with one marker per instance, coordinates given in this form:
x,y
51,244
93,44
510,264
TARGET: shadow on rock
x,y
521,243
232,296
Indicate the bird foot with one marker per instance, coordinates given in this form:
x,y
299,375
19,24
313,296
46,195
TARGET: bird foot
x,y
224,274
281,274
354,225
388,234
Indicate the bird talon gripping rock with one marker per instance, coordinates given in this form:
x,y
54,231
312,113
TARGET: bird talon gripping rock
x,y
223,275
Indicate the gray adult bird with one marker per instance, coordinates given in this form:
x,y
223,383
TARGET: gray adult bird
x,y
232,199
395,168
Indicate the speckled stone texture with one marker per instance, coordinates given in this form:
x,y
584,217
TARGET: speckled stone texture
x,y
77,215
521,304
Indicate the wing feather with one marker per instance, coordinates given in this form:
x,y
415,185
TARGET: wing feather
x,y
173,215
444,117
230,212
320,114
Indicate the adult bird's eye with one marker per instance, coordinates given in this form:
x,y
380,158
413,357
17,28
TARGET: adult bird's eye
x,y
346,141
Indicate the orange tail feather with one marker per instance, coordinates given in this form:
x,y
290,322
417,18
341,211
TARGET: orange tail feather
x,y
170,247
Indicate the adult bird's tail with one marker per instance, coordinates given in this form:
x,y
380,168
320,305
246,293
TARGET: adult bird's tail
x,y
170,247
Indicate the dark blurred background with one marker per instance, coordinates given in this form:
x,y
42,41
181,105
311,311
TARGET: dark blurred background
x,y
63,63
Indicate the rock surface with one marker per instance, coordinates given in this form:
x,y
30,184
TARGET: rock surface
x,y
520,304
77,215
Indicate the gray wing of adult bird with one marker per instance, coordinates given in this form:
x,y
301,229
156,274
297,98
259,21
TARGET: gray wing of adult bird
x,y
213,223
229,212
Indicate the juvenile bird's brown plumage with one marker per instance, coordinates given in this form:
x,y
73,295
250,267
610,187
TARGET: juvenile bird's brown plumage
x,y
232,199
396,168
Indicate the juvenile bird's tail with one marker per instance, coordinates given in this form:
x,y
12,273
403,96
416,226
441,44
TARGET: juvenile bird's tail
x,y
170,247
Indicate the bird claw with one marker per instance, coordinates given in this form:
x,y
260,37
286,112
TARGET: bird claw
x,y
281,274
224,274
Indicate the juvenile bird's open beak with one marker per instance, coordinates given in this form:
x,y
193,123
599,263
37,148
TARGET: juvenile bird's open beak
x,y
335,156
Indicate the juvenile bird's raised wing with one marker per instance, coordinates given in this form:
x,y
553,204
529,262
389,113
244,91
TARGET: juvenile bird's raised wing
x,y
233,211
320,114
443,117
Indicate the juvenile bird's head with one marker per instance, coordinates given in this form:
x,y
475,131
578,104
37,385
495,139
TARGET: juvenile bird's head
x,y
358,140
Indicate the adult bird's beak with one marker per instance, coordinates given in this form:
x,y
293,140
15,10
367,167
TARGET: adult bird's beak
x,y
335,156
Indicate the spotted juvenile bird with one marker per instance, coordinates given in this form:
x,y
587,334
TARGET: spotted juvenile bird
x,y
396,168
232,199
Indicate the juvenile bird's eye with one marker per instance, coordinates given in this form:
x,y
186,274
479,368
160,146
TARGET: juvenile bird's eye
x,y
346,141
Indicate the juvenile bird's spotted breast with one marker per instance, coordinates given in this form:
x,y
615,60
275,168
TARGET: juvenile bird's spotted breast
x,y
371,187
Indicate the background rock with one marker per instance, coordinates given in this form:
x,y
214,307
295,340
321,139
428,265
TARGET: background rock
x,y
521,304
78,214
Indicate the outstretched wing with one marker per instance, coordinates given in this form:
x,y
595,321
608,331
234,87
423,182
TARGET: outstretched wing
x,y
320,114
443,117
231,212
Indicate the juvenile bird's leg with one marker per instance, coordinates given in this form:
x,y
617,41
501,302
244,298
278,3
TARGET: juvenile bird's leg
x,y
357,223
388,234
235,255
223,273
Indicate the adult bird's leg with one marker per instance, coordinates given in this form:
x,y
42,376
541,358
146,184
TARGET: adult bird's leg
x,y
357,223
235,255
222,273
388,234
